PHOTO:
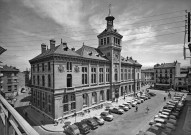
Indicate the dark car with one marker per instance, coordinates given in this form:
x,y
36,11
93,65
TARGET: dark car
x,y
72,130
154,129
83,127
151,94
91,123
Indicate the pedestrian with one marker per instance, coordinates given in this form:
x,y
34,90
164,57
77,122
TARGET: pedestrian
x,y
136,108
147,109
164,98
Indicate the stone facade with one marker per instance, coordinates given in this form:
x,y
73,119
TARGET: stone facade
x,y
65,81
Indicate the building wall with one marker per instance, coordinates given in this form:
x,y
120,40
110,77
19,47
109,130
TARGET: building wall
x,y
21,81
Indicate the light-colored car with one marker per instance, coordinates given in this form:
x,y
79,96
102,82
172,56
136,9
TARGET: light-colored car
x,y
138,101
160,125
134,103
165,113
167,110
163,116
125,108
106,116
116,110
128,105
99,119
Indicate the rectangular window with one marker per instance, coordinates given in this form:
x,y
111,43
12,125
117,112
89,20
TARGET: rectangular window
x,y
15,87
73,98
107,40
33,80
84,75
101,75
43,100
49,80
65,99
129,74
9,88
121,74
114,40
65,108
73,105
93,75
107,74
104,41
116,78
125,74
38,80
101,41
42,66
33,66
49,68
69,66
43,80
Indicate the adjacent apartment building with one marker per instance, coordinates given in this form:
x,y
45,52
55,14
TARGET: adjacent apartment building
x,y
165,74
147,76
9,85
65,81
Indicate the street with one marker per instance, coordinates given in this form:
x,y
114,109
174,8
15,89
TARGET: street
x,y
132,122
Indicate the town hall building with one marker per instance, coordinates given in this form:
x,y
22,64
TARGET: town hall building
x,y
67,81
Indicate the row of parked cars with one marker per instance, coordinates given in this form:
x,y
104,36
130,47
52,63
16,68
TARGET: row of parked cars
x,y
165,122
85,125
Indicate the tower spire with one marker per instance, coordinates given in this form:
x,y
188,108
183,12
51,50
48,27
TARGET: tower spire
x,y
109,10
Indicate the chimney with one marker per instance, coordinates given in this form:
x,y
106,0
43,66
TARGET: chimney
x,y
52,44
127,57
73,49
43,47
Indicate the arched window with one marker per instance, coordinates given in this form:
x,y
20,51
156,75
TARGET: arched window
x,y
94,97
102,95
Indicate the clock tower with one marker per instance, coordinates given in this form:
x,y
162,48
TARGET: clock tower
x,y
110,45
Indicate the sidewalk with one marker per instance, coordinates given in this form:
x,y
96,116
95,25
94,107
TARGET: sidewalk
x,y
49,126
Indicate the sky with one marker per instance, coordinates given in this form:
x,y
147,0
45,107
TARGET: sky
x,y
153,30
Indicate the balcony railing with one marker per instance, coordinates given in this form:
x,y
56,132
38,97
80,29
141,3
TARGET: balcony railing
x,y
10,115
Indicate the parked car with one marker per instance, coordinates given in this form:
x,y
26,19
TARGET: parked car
x,y
165,113
83,127
91,123
72,130
106,116
167,110
116,110
168,131
151,94
138,101
170,125
160,125
163,116
125,108
154,129
99,119
174,122
172,117
130,102
128,105
134,103
144,97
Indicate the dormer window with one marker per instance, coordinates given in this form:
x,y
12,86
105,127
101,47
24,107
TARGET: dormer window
x,y
97,55
90,53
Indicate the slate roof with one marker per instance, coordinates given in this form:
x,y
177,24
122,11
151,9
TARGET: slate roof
x,y
129,61
6,68
57,50
165,65
91,53
110,31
